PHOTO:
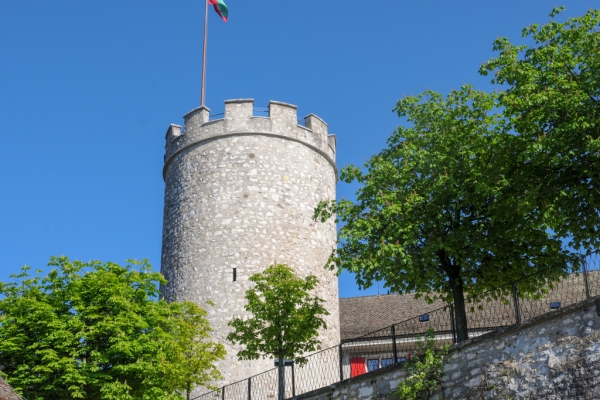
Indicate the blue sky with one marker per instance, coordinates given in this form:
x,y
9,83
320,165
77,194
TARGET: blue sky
x,y
88,89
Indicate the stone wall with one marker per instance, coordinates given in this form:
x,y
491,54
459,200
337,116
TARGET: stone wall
x,y
375,385
552,355
240,194
555,356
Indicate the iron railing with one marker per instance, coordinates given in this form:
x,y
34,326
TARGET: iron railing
x,y
255,111
500,307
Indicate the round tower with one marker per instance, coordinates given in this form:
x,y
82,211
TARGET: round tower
x,y
240,194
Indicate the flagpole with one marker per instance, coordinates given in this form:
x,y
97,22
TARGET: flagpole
x,y
202,94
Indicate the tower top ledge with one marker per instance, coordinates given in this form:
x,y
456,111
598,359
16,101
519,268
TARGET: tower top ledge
x,y
239,119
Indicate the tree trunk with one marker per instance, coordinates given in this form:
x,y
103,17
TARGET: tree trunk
x,y
189,390
460,311
456,284
281,377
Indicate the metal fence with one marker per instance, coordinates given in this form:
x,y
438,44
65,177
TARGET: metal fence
x,y
393,345
256,112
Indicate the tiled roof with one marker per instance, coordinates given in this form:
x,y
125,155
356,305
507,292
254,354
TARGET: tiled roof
x,y
362,315
7,392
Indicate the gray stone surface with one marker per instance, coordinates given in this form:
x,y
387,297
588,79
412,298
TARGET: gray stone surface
x,y
240,193
555,356
376,385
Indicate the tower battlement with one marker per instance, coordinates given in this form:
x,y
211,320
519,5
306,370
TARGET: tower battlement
x,y
239,119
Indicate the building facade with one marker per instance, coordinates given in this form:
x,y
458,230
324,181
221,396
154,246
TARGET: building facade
x,y
240,195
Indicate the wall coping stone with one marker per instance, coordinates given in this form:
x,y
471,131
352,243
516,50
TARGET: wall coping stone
x,y
238,101
195,110
315,116
281,103
356,380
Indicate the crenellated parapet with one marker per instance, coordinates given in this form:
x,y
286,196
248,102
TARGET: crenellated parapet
x,y
239,120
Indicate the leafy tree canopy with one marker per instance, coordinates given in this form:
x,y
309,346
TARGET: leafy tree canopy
x,y
436,213
285,318
98,331
424,371
551,101
193,358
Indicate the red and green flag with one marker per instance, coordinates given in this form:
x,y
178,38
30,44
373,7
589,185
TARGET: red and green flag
x,y
220,8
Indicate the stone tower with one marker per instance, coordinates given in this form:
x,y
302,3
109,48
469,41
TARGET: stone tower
x,y
240,194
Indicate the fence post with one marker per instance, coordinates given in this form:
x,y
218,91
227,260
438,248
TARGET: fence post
x,y
294,380
395,349
223,393
250,388
585,278
341,364
452,323
516,301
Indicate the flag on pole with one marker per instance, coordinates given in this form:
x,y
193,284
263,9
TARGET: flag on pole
x,y
220,8
223,11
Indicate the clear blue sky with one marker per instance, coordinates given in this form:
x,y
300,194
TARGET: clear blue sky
x,y
88,89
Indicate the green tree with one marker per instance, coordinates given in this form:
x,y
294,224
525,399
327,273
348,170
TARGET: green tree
x,y
424,370
552,104
285,318
96,331
194,355
435,212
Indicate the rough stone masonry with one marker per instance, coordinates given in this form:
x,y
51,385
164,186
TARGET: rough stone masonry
x,y
240,194
554,356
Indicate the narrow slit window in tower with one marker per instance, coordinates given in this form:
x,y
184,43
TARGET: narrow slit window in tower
x,y
234,274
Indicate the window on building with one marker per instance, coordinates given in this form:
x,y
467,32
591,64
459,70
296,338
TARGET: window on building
x,y
386,362
372,364
357,366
